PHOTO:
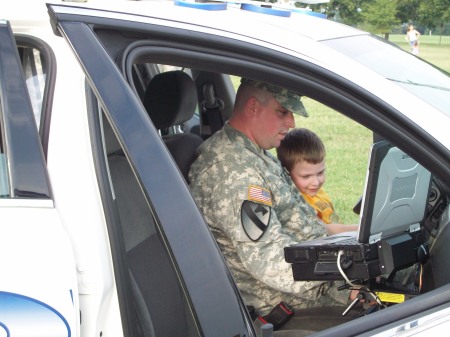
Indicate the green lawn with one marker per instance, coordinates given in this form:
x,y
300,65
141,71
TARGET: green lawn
x,y
433,49
347,142
347,145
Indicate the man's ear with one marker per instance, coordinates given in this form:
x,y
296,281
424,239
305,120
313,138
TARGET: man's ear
x,y
252,107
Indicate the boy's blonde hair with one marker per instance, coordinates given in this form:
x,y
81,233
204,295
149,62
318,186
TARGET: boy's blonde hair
x,y
300,145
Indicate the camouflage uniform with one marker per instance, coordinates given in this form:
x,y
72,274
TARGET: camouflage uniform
x,y
239,186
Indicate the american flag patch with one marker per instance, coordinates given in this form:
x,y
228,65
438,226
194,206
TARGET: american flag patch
x,y
260,195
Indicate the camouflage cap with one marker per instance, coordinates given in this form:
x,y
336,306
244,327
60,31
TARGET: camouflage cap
x,y
288,99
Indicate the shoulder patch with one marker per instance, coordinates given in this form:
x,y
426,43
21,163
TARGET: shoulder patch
x,y
255,219
259,195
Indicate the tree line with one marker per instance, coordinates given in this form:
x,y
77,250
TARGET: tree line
x,y
386,16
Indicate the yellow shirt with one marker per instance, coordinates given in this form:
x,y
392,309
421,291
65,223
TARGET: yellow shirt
x,y
321,202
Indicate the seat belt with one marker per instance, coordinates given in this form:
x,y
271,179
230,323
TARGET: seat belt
x,y
212,107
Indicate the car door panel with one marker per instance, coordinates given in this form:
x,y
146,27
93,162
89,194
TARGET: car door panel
x,y
38,283
151,161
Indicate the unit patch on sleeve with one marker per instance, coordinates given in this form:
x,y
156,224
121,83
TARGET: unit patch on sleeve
x,y
255,219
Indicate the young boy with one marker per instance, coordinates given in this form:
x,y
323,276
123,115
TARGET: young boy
x,y
302,153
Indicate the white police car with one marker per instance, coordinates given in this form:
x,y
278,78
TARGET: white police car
x,y
99,234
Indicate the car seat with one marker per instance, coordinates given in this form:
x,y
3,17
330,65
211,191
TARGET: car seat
x,y
436,271
170,100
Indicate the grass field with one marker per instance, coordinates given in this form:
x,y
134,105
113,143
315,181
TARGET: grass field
x,y
347,142
347,145
433,49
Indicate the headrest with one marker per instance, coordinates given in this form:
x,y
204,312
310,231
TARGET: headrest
x,y
170,99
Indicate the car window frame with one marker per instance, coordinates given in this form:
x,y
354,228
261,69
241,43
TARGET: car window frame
x,y
48,55
317,83
28,178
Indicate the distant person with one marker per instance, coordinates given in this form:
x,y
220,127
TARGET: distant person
x,y
415,50
412,36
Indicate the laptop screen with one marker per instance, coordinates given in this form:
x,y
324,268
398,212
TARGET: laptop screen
x,y
395,194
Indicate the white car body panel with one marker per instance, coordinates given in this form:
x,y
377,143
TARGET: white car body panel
x,y
42,255
73,182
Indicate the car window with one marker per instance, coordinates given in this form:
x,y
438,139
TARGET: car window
x,y
322,120
4,176
22,162
426,81
39,68
34,68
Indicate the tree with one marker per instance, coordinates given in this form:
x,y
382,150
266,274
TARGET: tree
x,y
434,13
380,15
407,10
346,11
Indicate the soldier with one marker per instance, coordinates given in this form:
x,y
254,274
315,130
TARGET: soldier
x,y
251,204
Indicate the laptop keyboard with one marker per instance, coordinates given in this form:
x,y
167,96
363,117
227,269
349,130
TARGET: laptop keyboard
x,y
346,242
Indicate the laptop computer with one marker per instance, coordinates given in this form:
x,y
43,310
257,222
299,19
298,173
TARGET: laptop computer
x,y
393,206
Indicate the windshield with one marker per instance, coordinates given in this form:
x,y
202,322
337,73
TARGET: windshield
x,y
422,79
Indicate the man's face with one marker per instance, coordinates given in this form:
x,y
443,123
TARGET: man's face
x,y
308,177
272,123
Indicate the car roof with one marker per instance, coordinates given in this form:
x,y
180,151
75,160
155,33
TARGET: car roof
x,y
233,19
267,24
296,35
271,31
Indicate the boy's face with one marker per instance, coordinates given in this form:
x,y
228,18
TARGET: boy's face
x,y
308,178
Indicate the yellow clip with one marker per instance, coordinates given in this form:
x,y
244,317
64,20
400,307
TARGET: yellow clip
x,y
390,297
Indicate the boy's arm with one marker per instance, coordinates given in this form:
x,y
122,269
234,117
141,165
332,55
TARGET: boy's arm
x,y
335,228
